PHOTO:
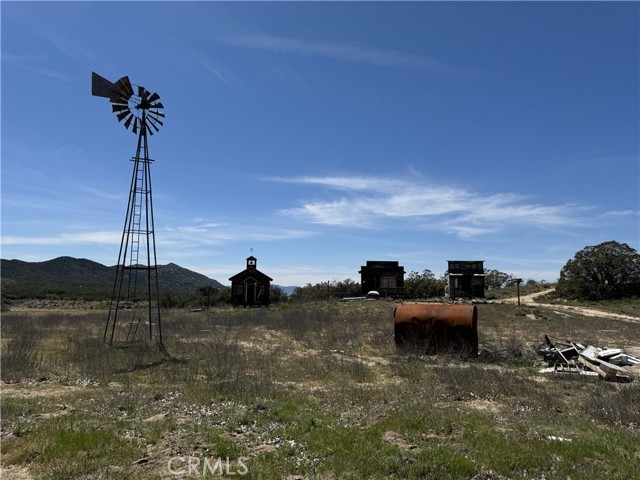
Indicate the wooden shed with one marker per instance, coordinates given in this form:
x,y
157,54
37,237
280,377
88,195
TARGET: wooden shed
x,y
386,278
250,287
465,279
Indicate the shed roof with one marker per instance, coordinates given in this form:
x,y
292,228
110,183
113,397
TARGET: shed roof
x,y
251,272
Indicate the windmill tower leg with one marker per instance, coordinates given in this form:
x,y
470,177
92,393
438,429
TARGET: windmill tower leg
x,y
134,310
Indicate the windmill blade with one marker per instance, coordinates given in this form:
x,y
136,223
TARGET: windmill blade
x,y
140,91
122,99
123,115
155,117
157,110
135,124
153,97
119,100
151,122
158,105
125,86
119,107
128,122
157,120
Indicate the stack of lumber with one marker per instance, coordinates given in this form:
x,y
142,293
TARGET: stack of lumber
x,y
574,357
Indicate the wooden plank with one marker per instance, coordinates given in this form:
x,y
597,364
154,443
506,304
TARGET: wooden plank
x,y
609,352
605,369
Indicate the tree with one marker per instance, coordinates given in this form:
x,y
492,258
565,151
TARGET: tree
x,y
313,293
169,300
207,292
214,296
605,271
496,279
347,288
277,294
423,285
326,291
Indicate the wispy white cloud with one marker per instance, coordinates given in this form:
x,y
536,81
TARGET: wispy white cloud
x,y
621,213
286,74
102,194
190,235
214,233
349,52
346,182
73,50
31,63
217,71
368,201
24,57
97,237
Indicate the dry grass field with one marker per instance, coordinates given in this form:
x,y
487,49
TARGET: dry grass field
x,y
311,391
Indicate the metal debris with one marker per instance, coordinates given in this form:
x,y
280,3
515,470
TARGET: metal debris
x,y
576,358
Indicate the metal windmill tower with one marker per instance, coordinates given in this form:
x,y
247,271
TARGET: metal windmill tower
x,y
134,311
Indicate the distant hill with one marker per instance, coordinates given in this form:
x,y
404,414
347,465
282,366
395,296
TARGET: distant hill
x,y
288,290
78,277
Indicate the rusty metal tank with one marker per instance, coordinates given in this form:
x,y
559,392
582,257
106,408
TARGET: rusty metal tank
x,y
437,328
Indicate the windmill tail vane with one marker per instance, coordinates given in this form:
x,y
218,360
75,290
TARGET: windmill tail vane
x,y
134,310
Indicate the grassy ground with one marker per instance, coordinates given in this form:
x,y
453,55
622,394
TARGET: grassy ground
x,y
310,391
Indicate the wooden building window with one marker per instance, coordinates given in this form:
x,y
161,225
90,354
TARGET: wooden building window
x,y
388,282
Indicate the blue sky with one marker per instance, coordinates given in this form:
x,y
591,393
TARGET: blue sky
x,y
323,135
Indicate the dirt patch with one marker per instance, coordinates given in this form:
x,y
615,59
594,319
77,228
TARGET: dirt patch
x,y
37,389
156,418
399,441
527,298
15,472
306,386
481,405
262,449
155,462
61,410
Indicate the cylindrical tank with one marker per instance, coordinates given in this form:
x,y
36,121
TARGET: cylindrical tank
x,y
437,328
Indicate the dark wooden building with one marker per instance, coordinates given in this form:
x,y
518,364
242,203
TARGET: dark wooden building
x,y
250,287
465,279
386,278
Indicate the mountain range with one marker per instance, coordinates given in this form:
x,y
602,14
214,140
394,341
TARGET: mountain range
x,y
73,277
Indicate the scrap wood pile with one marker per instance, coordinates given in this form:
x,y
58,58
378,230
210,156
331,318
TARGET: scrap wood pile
x,y
576,358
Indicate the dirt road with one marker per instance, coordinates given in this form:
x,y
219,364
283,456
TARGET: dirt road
x,y
589,312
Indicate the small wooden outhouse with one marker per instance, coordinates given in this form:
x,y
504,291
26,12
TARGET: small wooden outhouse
x,y
386,278
465,279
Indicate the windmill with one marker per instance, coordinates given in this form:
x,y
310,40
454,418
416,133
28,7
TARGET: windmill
x,y
134,310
